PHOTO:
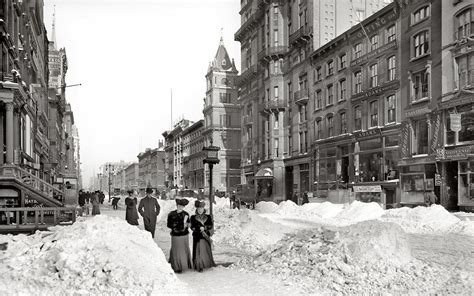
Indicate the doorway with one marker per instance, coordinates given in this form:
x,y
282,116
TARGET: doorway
x,y
452,185
289,182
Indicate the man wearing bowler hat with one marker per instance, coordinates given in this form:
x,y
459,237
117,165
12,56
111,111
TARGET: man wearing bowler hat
x,y
149,209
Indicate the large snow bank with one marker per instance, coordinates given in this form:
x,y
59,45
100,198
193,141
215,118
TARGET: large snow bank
x,y
246,230
431,219
359,211
101,255
357,259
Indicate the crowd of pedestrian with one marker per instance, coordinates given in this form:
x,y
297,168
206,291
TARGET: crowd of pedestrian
x,y
88,199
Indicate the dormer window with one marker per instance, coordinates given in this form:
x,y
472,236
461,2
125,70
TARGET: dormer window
x,y
223,63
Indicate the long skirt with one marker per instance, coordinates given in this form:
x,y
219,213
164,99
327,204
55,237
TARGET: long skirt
x,y
180,255
95,210
202,255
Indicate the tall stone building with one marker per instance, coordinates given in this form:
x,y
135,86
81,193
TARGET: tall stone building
x,y
193,167
277,82
222,120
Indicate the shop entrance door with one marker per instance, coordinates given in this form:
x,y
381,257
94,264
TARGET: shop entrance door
x,y
289,182
452,185
345,169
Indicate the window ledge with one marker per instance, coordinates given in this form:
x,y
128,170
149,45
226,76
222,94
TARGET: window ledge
x,y
425,99
317,109
420,21
421,56
329,75
341,101
419,155
329,105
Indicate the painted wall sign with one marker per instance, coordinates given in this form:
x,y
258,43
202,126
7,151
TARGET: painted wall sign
x,y
403,140
417,112
380,22
373,53
436,131
392,85
368,188
455,102
367,134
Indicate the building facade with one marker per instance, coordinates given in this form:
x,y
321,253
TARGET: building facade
x,y
222,121
420,91
193,167
132,177
290,90
454,135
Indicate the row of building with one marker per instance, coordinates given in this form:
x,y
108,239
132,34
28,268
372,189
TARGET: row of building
x,y
147,172
38,136
384,111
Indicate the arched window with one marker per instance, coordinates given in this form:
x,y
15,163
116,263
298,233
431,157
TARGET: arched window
x,y
420,14
421,43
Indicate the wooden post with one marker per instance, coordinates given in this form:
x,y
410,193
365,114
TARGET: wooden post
x,y
36,218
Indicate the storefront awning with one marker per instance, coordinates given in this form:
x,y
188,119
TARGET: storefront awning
x,y
265,173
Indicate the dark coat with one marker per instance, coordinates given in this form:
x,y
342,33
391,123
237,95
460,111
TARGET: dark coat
x,y
149,209
198,221
176,222
82,199
131,213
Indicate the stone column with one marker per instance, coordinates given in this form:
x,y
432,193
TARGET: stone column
x,y
9,136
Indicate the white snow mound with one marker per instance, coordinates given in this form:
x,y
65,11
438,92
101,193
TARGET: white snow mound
x,y
101,255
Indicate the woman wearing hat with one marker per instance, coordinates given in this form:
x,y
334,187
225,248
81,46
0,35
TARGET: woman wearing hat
x,y
131,213
201,225
178,222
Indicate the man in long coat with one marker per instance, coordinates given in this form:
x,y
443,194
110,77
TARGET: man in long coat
x,y
149,209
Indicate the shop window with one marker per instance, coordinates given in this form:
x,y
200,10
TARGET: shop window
x,y
374,75
371,144
465,70
357,50
420,14
343,123
420,135
464,23
466,134
391,33
466,183
371,167
374,114
413,188
391,141
390,169
357,118
357,82
421,44
392,68
391,109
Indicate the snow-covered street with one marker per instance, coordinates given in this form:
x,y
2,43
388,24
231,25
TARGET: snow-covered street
x,y
283,249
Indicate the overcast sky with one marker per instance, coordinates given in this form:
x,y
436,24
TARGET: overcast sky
x,y
128,55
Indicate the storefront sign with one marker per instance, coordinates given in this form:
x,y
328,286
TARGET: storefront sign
x,y
378,23
404,134
417,112
436,131
381,89
460,152
369,188
367,134
455,125
373,53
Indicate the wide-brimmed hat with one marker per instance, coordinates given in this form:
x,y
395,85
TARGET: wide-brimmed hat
x,y
149,190
130,191
199,204
182,202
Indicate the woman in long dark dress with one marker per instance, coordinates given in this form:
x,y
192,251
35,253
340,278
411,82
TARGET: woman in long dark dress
x,y
202,225
131,213
95,204
178,222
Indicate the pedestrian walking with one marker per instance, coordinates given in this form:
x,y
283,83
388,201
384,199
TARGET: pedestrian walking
x,y
149,209
131,213
178,222
95,204
305,198
81,200
202,227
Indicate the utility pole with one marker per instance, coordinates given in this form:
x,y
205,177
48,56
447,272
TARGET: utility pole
x,y
110,183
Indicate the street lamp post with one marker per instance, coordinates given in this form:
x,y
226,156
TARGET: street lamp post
x,y
110,183
210,157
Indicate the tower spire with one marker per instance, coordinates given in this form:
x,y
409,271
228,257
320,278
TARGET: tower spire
x,y
222,36
53,31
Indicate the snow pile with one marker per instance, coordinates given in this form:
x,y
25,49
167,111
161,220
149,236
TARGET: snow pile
x,y
246,230
323,210
357,259
422,219
101,255
359,211
266,207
